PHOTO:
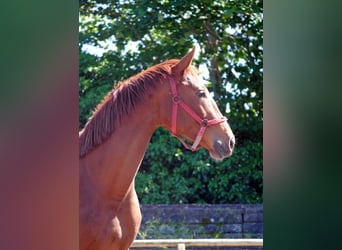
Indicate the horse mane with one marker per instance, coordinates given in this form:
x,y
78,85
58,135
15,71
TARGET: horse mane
x,y
118,103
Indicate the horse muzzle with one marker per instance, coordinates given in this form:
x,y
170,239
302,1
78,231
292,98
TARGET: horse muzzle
x,y
223,149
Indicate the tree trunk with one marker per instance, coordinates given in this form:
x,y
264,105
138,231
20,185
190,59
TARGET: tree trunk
x,y
212,43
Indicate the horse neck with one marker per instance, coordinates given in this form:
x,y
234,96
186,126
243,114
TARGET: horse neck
x,y
112,166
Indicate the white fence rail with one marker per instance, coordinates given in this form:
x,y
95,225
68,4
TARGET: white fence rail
x,y
182,243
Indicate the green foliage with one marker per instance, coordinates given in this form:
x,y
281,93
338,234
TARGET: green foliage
x,y
170,174
136,34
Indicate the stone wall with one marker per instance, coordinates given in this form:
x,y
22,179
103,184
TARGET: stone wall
x,y
202,221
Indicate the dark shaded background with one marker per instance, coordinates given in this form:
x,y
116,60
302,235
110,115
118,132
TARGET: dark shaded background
x,y
39,125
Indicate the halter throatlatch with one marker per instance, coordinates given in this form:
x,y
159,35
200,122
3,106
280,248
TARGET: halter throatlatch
x,y
204,123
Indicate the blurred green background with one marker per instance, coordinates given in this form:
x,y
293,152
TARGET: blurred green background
x,y
121,38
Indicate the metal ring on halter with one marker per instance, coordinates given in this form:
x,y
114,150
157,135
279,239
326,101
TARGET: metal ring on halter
x,y
176,99
204,123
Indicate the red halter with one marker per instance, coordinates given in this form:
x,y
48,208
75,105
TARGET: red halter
x,y
204,123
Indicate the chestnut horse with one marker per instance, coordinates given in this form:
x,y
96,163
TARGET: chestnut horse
x,y
115,139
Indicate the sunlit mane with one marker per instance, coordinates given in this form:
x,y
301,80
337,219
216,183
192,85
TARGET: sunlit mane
x,y
120,102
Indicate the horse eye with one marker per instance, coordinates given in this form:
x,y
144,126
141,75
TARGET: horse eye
x,y
201,94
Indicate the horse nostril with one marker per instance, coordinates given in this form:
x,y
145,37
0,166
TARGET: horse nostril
x,y
231,143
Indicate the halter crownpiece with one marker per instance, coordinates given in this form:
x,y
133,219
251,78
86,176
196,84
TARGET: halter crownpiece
x,y
204,123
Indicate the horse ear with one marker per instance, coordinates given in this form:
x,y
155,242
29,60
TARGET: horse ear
x,y
184,62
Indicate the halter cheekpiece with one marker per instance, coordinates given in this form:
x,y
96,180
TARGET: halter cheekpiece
x,y
203,122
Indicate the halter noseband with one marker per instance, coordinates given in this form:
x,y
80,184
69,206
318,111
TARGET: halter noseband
x,y
204,123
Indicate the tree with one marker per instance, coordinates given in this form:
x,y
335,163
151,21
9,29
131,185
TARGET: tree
x,y
145,33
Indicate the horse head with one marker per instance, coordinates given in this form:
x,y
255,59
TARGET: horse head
x,y
194,113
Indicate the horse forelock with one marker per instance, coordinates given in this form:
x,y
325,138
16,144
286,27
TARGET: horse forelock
x,y
120,102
